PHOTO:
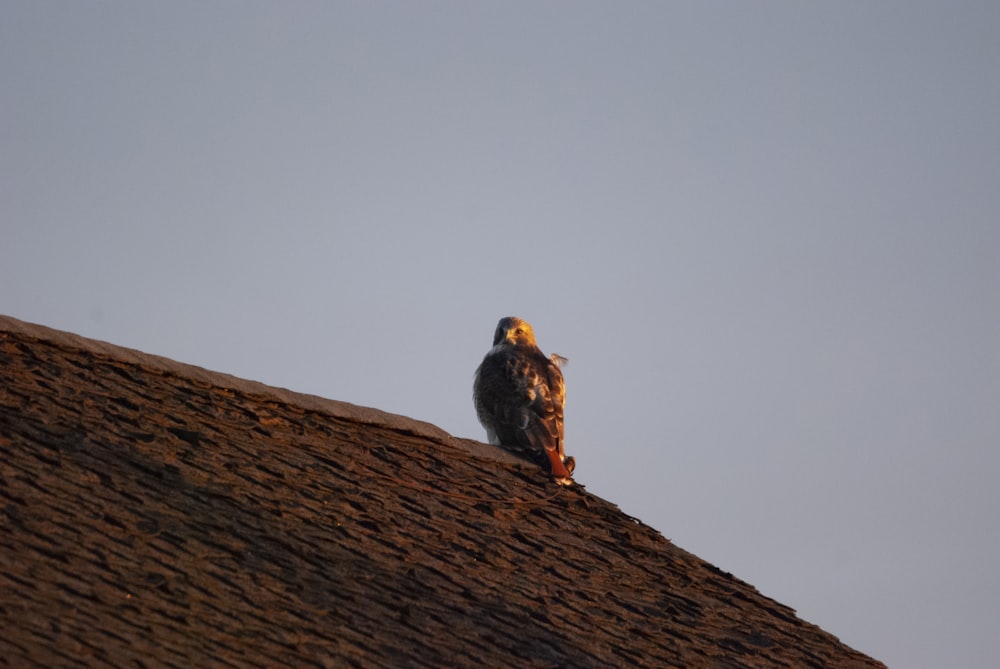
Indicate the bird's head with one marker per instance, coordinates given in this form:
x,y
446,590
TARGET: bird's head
x,y
513,330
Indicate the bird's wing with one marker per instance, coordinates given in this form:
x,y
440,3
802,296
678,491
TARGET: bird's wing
x,y
521,395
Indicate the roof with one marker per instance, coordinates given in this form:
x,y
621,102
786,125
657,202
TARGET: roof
x,y
159,514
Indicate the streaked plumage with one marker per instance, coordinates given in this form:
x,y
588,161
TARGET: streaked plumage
x,y
520,395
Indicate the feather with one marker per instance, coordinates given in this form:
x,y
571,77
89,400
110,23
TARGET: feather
x,y
520,395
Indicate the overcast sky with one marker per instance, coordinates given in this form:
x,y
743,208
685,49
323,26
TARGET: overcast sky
x,y
766,235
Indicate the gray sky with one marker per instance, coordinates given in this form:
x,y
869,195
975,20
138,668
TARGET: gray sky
x,y
766,234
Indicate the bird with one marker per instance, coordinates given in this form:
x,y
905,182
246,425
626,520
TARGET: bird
x,y
520,395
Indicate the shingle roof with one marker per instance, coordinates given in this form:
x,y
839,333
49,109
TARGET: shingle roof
x,y
158,514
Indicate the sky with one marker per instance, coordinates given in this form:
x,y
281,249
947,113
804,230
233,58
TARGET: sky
x,y
766,235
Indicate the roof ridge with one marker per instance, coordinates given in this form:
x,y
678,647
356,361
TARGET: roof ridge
x,y
336,408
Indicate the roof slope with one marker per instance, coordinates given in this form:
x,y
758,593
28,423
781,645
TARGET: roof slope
x,y
157,514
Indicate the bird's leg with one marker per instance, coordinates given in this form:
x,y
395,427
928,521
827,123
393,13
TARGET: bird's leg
x,y
558,469
569,462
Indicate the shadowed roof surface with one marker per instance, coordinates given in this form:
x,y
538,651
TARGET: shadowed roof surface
x,y
158,514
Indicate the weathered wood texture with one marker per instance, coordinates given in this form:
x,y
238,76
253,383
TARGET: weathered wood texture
x,y
159,515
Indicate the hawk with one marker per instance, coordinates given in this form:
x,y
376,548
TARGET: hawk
x,y
520,395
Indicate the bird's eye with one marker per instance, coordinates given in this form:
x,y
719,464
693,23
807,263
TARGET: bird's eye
x,y
519,331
